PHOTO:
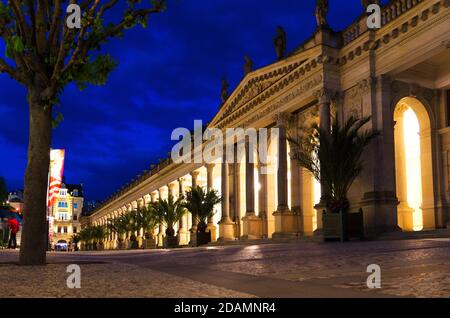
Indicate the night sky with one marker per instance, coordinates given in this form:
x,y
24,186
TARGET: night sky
x,y
168,75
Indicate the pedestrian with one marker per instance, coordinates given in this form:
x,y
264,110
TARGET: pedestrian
x,y
4,228
14,228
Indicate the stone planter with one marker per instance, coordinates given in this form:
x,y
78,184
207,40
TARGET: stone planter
x,y
171,242
133,245
149,243
203,238
343,227
332,226
355,225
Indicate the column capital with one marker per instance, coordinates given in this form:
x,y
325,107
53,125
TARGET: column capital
x,y
195,174
282,119
171,185
210,166
324,95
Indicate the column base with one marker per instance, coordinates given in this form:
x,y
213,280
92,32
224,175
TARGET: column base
x,y
252,227
379,213
287,224
213,230
405,217
226,229
183,236
160,240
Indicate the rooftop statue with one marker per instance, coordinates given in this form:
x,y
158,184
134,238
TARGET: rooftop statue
x,y
248,66
224,92
321,13
280,43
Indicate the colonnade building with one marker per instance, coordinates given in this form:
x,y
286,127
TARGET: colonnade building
x,y
398,74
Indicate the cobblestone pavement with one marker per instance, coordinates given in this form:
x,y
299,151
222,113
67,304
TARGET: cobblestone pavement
x,y
409,268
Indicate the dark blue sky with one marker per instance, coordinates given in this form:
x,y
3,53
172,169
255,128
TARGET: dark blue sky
x,y
168,75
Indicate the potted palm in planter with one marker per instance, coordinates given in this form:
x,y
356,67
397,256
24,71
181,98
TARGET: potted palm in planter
x,y
75,240
132,227
334,159
201,204
99,234
118,227
86,236
148,221
169,211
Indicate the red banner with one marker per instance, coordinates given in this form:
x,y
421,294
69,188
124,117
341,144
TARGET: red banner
x,y
56,174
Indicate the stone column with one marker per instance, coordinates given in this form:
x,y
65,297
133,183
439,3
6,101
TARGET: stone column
x,y
183,233
284,219
324,99
251,223
296,191
262,199
140,234
226,225
154,199
161,225
210,179
193,230
379,201
236,174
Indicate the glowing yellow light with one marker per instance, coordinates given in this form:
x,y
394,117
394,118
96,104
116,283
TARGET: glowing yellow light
x,y
317,194
413,166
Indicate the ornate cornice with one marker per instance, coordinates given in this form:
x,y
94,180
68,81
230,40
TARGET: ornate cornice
x,y
295,75
390,13
294,93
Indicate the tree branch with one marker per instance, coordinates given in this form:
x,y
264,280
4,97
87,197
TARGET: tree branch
x,y
20,19
84,47
5,68
55,23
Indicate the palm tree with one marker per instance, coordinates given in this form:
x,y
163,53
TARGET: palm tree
x,y
75,240
169,212
98,233
334,158
86,237
201,204
147,220
117,227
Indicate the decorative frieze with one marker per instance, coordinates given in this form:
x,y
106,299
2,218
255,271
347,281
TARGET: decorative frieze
x,y
294,93
353,98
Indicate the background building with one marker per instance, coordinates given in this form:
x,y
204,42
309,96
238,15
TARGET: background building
x,y
66,214
15,199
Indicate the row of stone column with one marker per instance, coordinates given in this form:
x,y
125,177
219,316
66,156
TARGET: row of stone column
x,y
286,219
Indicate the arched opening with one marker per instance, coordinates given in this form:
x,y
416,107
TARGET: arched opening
x,y
413,162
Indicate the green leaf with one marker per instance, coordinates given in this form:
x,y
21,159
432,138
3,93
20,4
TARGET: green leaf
x,y
18,44
57,120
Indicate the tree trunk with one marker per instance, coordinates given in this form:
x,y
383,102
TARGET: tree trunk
x,y
34,231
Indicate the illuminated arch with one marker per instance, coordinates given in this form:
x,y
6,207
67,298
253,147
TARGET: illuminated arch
x,y
414,165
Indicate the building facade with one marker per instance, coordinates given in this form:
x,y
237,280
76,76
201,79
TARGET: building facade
x,y
66,213
15,199
398,74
